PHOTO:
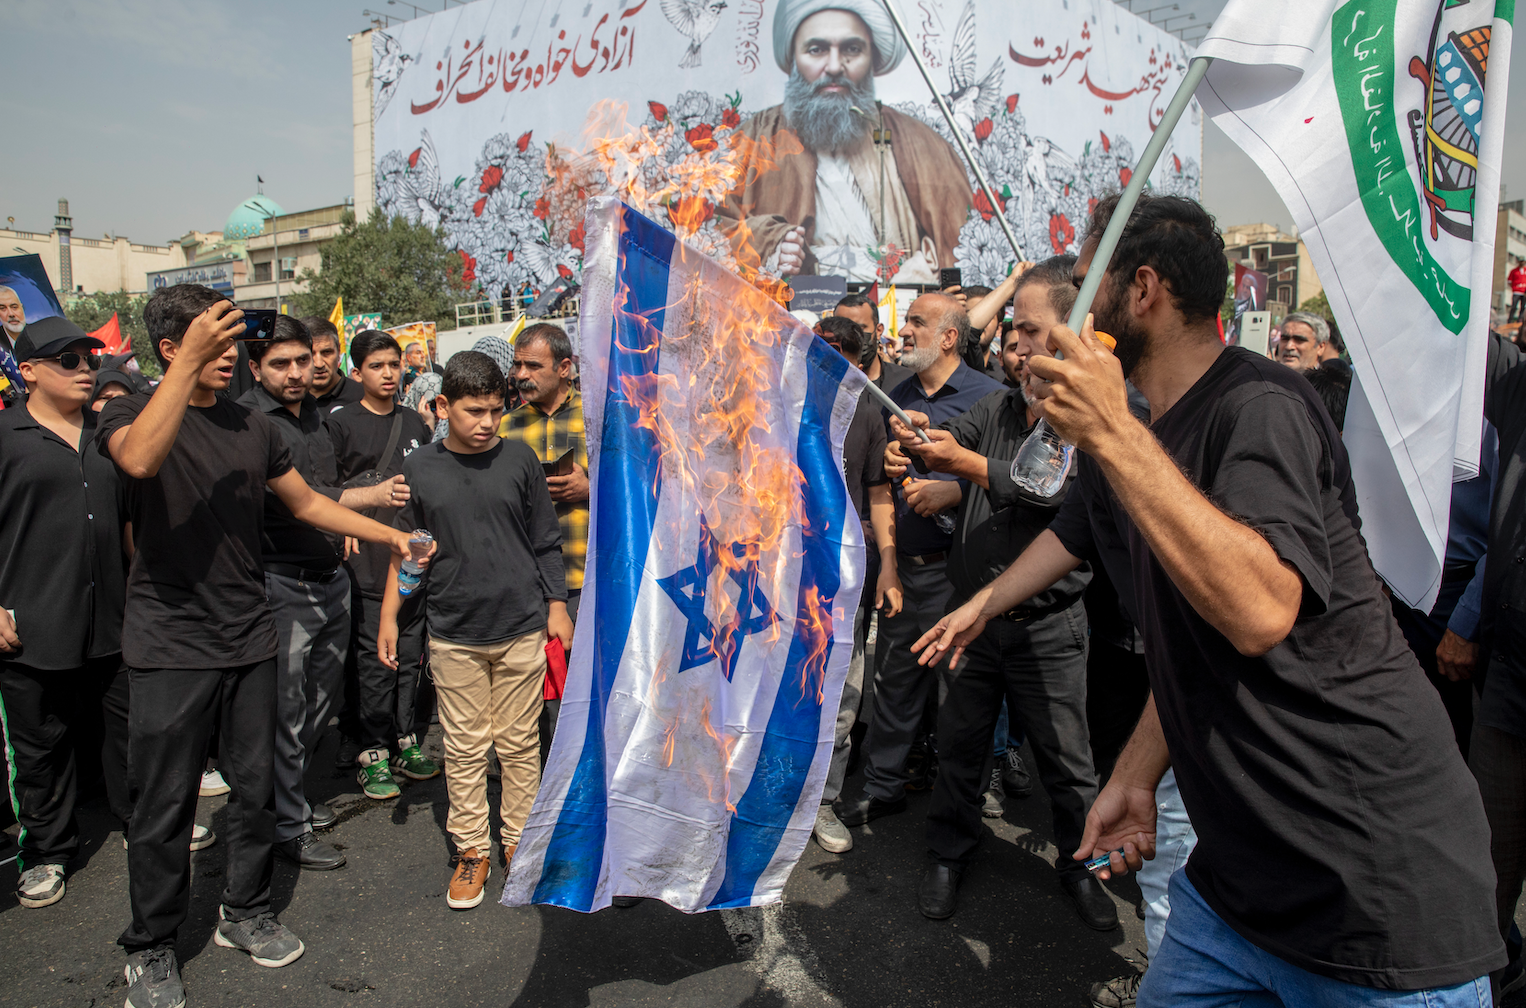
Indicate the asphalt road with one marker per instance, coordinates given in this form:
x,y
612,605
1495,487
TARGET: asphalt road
x,y
378,931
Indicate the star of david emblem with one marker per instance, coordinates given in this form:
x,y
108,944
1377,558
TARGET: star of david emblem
x,y
705,642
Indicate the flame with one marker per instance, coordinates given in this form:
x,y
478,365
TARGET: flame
x,y
725,746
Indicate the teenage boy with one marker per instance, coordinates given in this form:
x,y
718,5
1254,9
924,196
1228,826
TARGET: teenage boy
x,y
309,591
62,581
485,501
197,632
375,435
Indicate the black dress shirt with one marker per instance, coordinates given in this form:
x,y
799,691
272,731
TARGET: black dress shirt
x,y
285,539
996,525
61,565
347,391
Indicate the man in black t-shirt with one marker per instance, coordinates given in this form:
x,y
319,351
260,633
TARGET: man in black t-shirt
x,y
378,722
1342,844
197,633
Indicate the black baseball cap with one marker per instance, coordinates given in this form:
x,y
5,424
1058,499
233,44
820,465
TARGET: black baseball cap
x,y
49,336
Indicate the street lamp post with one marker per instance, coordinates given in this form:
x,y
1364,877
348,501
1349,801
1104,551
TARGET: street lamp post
x,y
275,248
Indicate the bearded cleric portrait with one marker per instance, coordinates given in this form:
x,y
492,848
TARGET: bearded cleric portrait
x,y
844,174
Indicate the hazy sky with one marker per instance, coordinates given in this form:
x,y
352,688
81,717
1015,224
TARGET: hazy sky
x,y
153,116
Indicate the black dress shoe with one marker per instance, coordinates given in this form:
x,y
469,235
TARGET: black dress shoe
x,y
937,895
309,852
864,808
322,817
625,902
1096,907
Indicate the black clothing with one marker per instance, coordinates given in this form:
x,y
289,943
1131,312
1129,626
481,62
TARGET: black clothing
x,y
996,525
52,723
1336,827
173,711
1503,627
285,540
1423,632
359,437
61,564
196,589
1039,668
891,375
381,710
347,391
493,518
863,453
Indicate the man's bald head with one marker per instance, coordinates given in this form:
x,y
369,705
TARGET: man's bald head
x,y
937,327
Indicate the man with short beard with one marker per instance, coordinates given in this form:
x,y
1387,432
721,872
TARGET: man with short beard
x,y
1034,654
331,388
12,322
832,191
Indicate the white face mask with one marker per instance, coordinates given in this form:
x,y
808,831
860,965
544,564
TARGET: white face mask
x,y
14,328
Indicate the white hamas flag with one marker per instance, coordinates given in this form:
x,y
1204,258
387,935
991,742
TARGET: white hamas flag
x,y
1381,124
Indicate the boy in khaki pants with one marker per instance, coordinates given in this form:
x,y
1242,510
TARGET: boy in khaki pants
x,y
493,593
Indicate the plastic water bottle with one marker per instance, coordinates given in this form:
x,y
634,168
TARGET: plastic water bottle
x,y
1044,460
410,573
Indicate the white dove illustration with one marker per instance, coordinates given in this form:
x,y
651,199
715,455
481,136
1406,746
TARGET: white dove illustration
x,y
695,19
971,100
390,62
421,185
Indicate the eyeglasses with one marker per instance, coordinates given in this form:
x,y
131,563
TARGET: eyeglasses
x,y
69,360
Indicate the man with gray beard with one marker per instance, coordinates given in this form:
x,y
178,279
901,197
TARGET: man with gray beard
x,y
834,174
1033,656
12,322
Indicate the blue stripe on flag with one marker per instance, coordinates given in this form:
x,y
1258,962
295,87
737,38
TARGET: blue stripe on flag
x,y
630,471
789,743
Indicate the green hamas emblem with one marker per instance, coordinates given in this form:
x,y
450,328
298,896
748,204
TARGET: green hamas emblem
x,y
1364,63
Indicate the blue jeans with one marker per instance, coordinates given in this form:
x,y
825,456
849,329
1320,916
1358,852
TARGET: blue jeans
x,y
1174,840
1204,963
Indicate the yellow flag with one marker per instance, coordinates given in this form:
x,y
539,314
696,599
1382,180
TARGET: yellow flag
x,y
336,317
519,327
887,310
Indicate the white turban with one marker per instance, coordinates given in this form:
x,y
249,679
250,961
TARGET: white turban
x,y
888,47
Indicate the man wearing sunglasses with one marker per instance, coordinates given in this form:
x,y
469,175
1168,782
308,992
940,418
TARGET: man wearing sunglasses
x,y
62,586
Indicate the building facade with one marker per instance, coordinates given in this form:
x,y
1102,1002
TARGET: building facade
x,y
80,265
1291,279
286,245
1509,249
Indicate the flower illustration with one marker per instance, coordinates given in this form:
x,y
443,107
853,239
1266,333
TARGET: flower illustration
x,y
730,119
1061,233
702,138
659,111
1124,175
983,129
523,141
1011,103
468,266
491,176
479,206
983,205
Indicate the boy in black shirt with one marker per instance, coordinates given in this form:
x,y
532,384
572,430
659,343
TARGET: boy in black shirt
x,y
380,715
1342,851
198,635
485,501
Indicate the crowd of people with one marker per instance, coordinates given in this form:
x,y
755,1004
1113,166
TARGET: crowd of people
x,y
1320,788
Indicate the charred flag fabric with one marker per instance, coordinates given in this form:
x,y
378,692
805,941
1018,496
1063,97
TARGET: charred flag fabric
x,y
1381,125
725,561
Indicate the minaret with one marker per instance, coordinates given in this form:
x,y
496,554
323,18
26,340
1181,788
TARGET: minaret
x,y
64,225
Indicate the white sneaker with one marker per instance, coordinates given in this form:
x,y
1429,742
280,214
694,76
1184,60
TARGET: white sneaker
x,y
201,837
41,885
830,833
212,784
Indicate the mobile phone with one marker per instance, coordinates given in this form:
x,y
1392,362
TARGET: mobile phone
x,y
259,324
950,276
561,467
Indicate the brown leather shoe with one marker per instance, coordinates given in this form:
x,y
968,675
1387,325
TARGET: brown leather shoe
x,y
508,856
468,880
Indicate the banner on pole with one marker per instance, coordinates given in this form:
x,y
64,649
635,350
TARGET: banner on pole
x,y
1381,125
495,121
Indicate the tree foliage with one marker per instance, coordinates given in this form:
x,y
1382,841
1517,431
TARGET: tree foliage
x,y
1318,305
91,311
386,265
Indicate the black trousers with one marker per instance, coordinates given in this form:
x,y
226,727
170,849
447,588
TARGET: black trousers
x,y
172,714
1040,668
56,723
1517,304
379,701
1423,631
1117,686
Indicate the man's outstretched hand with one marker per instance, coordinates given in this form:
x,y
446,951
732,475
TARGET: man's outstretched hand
x,y
956,631
1122,818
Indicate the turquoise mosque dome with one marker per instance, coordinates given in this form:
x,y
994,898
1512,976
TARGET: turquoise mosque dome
x,y
248,218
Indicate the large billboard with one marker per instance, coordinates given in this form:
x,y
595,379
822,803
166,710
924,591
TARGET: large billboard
x,y
784,136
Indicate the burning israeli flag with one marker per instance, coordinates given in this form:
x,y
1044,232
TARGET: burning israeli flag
x,y
725,560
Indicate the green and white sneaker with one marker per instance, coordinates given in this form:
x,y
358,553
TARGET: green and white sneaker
x,y
411,761
153,979
374,777
41,885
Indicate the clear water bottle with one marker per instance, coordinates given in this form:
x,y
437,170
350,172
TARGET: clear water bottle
x,y
946,522
1044,460
410,573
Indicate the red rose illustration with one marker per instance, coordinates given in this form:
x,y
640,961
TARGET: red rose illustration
x,y
1011,103
491,176
468,267
659,111
691,212
564,271
702,138
1061,234
1107,144
1124,174
984,205
542,208
575,239
730,119
478,206
413,159
1177,162
523,141
983,129
509,257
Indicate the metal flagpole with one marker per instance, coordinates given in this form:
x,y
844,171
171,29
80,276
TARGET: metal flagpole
x,y
948,115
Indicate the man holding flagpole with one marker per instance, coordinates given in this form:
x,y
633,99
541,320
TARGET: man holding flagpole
x,y
1342,848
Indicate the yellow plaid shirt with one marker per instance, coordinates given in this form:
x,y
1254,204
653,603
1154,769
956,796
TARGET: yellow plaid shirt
x,y
550,436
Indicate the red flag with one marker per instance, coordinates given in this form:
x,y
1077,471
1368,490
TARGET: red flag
x,y
111,334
